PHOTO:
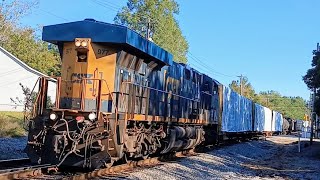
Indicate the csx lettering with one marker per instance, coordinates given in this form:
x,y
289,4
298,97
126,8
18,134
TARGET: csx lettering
x,y
79,76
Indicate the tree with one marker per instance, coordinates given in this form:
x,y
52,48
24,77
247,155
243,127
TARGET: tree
x,y
164,29
312,79
11,11
22,42
293,107
247,89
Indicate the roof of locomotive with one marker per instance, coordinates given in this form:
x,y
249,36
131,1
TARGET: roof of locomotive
x,y
101,32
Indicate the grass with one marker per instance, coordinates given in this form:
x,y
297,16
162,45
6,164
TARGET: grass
x,y
11,124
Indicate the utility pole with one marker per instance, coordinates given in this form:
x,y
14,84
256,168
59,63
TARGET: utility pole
x,y
241,79
313,114
313,117
148,29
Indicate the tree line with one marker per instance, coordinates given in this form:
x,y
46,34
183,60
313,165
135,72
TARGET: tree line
x,y
292,107
155,19
22,42
312,79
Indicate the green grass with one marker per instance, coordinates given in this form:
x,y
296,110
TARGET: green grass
x,y
11,124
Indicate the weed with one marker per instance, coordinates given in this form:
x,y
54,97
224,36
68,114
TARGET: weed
x,y
11,124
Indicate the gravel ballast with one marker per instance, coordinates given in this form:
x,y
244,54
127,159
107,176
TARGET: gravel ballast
x,y
12,148
275,158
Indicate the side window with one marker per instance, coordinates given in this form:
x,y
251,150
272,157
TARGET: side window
x,y
194,77
187,74
51,94
206,87
215,89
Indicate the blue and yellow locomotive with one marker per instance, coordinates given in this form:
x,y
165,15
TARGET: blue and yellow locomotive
x,y
121,97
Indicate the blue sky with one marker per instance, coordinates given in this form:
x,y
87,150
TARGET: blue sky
x,y
269,41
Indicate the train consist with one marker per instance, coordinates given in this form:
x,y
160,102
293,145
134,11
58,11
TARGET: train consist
x,y
121,97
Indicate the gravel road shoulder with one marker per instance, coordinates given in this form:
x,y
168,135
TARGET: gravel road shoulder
x,y
276,158
12,148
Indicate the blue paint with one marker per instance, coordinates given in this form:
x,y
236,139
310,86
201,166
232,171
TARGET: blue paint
x,y
101,32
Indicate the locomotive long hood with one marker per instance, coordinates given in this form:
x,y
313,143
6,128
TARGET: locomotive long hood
x,y
101,32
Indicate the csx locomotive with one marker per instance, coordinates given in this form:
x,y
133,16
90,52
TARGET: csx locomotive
x,y
121,97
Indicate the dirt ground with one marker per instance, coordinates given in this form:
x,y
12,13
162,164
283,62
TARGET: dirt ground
x,y
275,158
286,162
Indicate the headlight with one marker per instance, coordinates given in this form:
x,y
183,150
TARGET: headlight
x,y
53,116
84,43
77,43
92,116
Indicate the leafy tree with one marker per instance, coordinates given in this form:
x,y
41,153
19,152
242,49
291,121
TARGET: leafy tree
x,y
165,30
247,89
22,42
312,79
11,11
293,107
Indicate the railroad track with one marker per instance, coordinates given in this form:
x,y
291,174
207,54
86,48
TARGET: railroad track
x,y
14,171
21,169
120,170
5,164
10,169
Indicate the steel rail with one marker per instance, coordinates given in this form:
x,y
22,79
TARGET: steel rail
x,y
24,171
13,162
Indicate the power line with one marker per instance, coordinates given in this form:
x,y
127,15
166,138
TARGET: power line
x,y
11,105
287,107
291,98
54,15
206,66
10,72
105,5
110,4
116,8
12,82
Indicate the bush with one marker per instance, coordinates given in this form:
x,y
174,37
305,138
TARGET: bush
x,y
11,124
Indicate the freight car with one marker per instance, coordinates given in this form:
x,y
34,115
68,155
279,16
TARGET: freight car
x,y
121,97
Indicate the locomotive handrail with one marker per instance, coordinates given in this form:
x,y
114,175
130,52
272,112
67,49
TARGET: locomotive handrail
x,y
99,99
158,90
26,108
59,80
206,93
128,82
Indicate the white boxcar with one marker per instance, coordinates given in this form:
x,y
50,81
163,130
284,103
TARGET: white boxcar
x,y
277,121
263,119
237,112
